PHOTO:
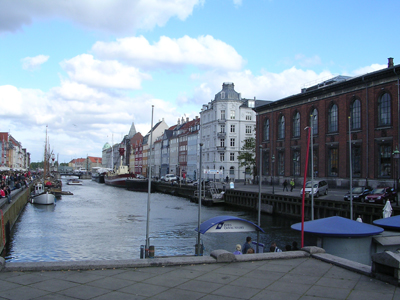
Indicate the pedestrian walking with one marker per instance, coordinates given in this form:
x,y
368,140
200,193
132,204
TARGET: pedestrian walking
x,y
291,185
285,183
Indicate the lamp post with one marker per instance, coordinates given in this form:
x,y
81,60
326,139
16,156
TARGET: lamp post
x,y
273,185
259,197
396,155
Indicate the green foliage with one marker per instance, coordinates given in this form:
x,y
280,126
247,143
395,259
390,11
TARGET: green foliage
x,y
247,155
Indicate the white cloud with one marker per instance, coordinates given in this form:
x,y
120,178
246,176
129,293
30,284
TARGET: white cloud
x,y
203,52
107,74
368,69
32,63
117,16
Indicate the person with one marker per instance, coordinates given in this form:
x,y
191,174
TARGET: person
x,y
250,251
285,185
238,250
247,245
275,247
294,246
291,185
227,179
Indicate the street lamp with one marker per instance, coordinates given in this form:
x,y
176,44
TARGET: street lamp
x,y
272,172
396,155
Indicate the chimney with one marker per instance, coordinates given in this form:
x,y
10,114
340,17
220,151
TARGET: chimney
x,y
390,62
179,121
187,119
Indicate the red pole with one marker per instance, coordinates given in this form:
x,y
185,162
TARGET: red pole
x,y
304,189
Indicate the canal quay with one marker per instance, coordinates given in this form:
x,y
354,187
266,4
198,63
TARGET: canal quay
x,y
100,222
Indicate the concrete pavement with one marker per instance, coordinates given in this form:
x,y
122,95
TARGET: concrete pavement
x,y
310,274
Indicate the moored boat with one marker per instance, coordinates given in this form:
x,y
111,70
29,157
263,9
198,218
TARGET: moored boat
x,y
138,185
118,176
41,196
74,182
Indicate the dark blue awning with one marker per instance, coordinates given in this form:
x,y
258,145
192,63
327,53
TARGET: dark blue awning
x,y
389,223
226,224
339,227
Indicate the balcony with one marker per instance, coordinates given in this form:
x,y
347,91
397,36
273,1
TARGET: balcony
x,y
221,121
221,148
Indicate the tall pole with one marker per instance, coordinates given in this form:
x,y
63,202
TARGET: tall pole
x,y
351,173
149,186
199,211
259,197
304,188
273,185
312,167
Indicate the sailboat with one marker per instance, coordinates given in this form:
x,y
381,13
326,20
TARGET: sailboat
x,y
39,194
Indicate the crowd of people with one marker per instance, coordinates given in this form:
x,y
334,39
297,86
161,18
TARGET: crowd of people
x,y
10,181
247,247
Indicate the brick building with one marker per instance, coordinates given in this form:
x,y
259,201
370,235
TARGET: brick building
x,y
359,111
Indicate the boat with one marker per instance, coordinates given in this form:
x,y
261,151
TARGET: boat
x,y
138,184
118,176
41,196
74,181
98,174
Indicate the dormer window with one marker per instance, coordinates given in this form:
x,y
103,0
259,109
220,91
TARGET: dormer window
x,y
222,95
251,103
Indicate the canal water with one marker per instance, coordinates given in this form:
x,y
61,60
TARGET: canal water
x,y
100,222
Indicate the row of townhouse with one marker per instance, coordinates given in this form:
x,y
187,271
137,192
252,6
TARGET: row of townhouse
x,y
13,156
224,124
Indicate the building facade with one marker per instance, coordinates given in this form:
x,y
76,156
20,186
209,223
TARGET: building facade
x,y
355,131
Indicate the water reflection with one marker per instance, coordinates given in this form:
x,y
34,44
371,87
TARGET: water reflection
x,y
102,222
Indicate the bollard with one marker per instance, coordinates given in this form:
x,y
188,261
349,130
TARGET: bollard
x,y
196,249
151,252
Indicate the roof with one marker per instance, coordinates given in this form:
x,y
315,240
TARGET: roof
x,y
338,227
389,223
228,92
225,224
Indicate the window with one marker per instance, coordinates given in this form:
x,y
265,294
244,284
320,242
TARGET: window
x,y
281,163
333,165
222,156
222,95
314,120
232,156
232,171
356,160
384,110
222,142
248,128
385,152
265,163
266,130
222,114
296,163
281,127
222,128
296,124
232,128
355,114
333,118
232,142
232,115
248,116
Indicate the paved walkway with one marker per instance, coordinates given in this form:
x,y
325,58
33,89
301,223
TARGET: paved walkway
x,y
287,275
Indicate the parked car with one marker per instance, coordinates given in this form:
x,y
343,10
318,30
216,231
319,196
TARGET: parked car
x,y
359,193
381,195
140,176
170,177
320,188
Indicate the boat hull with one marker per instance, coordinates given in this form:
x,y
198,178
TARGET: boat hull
x,y
44,199
116,180
138,185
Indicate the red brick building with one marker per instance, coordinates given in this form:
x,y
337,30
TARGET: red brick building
x,y
366,107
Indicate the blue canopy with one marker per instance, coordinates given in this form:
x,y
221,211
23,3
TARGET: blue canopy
x,y
338,227
225,224
389,223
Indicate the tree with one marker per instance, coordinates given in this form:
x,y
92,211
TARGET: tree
x,y
247,155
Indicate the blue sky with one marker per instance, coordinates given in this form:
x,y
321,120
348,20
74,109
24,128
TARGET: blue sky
x,y
88,69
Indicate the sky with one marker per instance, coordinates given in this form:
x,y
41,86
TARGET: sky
x,y
89,69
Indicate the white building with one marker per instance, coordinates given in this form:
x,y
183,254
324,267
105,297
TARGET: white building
x,y
226,122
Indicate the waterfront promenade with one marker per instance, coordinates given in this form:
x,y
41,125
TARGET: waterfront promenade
x,y
309,274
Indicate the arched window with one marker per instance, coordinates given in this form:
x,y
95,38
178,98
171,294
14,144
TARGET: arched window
x,y
333,118
355,114
384,106
281,127
314,118
232,171
266,130
296,124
